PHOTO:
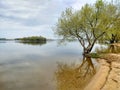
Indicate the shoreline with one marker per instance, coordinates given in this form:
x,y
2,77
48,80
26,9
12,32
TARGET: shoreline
x,y
108,75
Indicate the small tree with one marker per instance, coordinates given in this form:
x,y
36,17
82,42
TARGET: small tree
x,y
86,25
113,13
113,36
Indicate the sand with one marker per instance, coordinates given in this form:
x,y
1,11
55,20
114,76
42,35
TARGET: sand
x,y
108,75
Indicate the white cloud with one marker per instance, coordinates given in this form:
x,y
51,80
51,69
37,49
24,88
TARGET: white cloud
x,y
32,17
79,3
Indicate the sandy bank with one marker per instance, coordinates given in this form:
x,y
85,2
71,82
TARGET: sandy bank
x,y
108,75
116,44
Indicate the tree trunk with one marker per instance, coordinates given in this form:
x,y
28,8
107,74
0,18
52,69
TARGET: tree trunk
x,y
88,49
112,39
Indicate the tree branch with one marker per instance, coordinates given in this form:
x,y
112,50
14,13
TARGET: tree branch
x,y
100,35
81,40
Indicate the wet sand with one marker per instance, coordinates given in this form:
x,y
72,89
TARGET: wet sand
x,y
108,75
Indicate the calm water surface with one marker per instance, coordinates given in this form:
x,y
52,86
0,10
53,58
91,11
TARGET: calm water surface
x,y
35,67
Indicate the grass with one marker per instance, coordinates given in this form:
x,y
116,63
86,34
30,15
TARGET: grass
x,y
96,55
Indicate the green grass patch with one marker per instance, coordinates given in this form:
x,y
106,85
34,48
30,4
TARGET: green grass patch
x,y
95,55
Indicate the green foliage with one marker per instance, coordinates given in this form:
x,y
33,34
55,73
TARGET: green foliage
x,y
95,55
90,23
32,39
113,15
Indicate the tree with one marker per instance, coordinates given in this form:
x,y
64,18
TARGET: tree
x,y
88,24
113,12
113,36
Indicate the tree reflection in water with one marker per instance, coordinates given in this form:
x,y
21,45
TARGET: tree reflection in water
x,y
74,77
33,43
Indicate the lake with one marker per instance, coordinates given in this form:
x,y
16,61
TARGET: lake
x,y
39,66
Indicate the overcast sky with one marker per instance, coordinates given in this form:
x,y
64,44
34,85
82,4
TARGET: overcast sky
x,y
21,18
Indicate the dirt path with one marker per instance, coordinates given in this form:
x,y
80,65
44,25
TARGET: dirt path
x,y
108,75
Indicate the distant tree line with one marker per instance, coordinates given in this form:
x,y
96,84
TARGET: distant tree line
x,y
2,38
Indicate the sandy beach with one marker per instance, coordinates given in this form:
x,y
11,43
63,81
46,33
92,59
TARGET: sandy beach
x,y
108,75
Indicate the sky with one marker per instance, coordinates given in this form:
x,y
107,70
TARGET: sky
x,y
23,18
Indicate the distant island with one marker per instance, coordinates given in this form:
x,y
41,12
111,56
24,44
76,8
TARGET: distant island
x,y
33,39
